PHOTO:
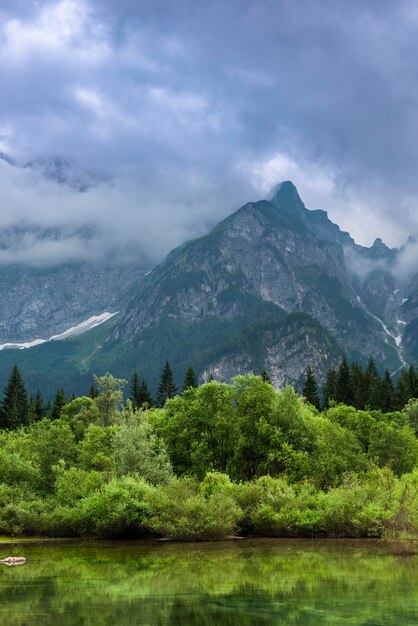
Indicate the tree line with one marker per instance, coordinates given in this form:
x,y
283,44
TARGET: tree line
x,y
218,459
351,384
362,388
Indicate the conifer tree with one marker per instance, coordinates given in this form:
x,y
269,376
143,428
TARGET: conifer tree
x,y
166,387
37,407
15,407
135,390
94,392
190,380
310,389
386,400
264,375
413,382
59,402
344,383
403,390
145,398
359,386
330,388
372,384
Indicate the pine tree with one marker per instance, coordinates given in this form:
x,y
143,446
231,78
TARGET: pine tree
x,y
190,380
344,383
372,384
403,390
59,402
310,389
145,398
15,406
140,395
358,385
413,381
264,375
135,390
94,392
166,387
386,400
37,407
330,388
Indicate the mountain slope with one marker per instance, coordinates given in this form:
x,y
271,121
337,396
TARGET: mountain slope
x,y
273,285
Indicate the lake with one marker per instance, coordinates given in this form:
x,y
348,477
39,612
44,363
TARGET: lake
x,y
258,582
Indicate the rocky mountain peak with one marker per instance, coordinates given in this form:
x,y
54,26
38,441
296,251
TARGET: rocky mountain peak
x,y
285,197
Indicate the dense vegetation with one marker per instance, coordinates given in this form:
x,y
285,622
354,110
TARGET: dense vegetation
x,y
212,461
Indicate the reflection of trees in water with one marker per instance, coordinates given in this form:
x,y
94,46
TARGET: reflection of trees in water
x,y
204,585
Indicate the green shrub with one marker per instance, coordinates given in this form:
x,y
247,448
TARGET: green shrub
x,y
181,511
119,509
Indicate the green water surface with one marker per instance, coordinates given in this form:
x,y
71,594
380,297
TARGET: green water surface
x,y
255,582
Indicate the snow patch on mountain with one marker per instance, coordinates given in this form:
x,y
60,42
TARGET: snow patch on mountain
x,y
83,327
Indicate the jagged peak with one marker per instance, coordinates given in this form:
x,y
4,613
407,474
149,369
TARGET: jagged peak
x,y
285,195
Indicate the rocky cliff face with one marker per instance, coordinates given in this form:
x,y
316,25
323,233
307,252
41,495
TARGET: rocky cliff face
x,y
277,252
274,285
38,302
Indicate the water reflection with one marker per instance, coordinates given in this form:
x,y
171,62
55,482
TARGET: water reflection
x,y
304,583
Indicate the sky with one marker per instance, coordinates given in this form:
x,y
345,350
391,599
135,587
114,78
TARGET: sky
x,y
175,113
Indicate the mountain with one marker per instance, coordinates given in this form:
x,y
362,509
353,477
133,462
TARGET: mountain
x,y
38,302
274,285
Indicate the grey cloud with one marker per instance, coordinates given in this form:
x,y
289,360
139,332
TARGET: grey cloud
x,y
184,106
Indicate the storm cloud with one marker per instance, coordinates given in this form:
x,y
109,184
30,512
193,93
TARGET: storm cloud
x,y
182,111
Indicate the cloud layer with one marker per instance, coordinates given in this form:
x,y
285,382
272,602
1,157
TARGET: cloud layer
x,y
186,110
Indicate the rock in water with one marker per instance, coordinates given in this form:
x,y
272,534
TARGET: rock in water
x,y
13,560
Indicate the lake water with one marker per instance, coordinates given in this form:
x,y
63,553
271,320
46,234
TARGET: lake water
x,y
257,582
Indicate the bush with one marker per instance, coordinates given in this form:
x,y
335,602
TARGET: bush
x,y
119,509
181,511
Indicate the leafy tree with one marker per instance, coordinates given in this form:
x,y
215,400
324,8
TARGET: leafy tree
x,y
200,429
110,396
253,402
190,379
166,387
139,451
310,389
15,407
59,402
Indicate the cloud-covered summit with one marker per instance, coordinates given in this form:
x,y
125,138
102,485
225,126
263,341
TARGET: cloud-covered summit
x,y
186,110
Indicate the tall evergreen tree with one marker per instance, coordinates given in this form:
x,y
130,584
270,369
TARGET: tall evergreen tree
x,y
330,388
358,385
135,390
373,384
344,383
403,390
37,407
264,375
140,394
15,406
94,392
190,380
386,396
166,387
310,389
145,398
59,402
